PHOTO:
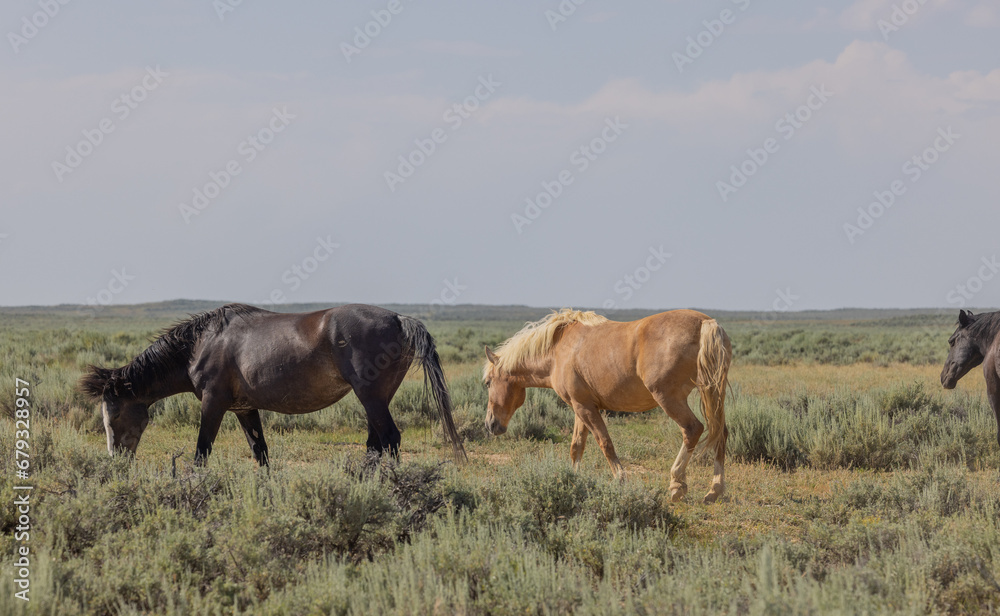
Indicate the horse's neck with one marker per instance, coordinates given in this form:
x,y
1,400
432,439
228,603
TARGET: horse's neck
x,y
175,381
535,372
989,339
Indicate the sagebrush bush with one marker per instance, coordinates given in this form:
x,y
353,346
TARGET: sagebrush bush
x,y
883,429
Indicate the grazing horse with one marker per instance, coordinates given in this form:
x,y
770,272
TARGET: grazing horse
x,y
594,364
241,359
976,341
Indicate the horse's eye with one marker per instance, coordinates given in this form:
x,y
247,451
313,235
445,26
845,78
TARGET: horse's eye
x,y
488,384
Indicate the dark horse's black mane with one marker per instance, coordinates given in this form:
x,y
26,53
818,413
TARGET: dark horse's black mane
x,y
985,327
169,351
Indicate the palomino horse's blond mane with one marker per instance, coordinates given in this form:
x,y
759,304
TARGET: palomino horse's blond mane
x,y
536,338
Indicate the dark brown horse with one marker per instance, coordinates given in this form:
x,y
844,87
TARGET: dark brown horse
x,y
976,341
241,359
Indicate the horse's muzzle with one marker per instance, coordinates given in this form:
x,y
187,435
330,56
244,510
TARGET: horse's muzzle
x,y
494,426
948,380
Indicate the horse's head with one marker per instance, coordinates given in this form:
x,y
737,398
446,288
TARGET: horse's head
x,y
124,422
125,418
963,354
506,396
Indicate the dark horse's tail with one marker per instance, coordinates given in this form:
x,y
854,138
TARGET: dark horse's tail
x,y
421,343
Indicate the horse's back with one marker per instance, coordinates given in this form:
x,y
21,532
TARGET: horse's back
x,y
676,333
362,315
683,322
312,329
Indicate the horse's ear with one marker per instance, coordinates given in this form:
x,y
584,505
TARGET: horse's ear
x,y
965,317
490,355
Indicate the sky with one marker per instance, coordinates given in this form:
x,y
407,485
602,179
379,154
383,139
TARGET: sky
x,y
729,154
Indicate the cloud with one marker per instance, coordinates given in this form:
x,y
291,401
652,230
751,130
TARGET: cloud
x,y
346,136
879,94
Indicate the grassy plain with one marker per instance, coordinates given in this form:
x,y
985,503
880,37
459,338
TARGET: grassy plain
x,y
855,486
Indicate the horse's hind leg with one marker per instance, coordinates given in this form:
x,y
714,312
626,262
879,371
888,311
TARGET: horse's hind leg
x,y
375,391
382,431
374,443
691,429
250,422
719,476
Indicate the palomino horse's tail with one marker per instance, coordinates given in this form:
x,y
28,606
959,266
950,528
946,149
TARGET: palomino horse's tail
x,y
713,370
421,343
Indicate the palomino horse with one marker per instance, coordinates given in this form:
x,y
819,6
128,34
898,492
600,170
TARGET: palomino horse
x,y
239,358
595,364
976,341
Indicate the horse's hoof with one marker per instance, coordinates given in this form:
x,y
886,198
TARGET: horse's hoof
x,y
678,494
713,495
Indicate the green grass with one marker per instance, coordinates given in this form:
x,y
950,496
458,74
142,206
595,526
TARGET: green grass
x,y
841,498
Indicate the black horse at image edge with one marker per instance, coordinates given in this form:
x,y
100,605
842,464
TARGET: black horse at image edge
x,y
976,341
243,359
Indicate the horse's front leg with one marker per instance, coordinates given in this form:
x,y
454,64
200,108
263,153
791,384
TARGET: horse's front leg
x,y
580,433
250,422
591,420
213,409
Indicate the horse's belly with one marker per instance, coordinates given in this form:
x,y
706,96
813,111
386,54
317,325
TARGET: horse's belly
x,y
626,395
628,399
293,389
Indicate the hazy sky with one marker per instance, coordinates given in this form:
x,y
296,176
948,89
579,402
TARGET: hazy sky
x,y
635,154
